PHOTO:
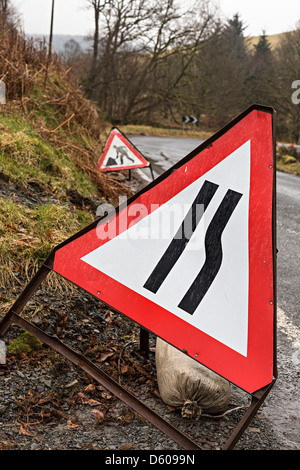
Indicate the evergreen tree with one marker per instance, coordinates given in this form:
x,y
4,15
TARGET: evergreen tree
x,y
263,46
262,77
234,36
236,26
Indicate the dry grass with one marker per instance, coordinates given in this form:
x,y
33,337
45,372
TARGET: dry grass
x,y
71,124
19,61
27,235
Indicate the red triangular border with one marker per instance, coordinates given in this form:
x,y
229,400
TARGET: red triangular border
x,y
250,373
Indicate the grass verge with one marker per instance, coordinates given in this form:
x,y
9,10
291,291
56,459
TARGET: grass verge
x,y
25,157
288,160
164,132
27,236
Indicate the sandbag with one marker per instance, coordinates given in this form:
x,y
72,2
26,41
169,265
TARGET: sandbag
x,y
186,384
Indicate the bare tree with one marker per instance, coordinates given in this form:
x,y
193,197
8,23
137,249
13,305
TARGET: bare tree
x,y
8,14
71,52
4,7
141,42
97,6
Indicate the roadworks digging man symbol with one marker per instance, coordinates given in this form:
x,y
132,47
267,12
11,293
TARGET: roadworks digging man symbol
x,y
121,154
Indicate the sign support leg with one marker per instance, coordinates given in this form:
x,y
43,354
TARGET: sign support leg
x,y
257,400
144,342
151,170
26,295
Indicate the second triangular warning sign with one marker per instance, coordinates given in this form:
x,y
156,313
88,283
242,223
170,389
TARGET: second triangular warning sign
x,y
120,154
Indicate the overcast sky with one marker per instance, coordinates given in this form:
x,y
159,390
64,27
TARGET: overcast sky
x,y
71,17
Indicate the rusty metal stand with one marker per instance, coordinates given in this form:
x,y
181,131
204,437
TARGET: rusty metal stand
x,y
151,171
13,317
257,400
144,342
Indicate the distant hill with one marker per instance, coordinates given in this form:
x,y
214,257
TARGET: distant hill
x,y
59,40
274,40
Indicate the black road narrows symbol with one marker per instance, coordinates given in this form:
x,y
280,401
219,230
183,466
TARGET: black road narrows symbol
x,y
181,239
213,246
214,253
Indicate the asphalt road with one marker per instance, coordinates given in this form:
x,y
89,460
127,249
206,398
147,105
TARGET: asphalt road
x,y
282,407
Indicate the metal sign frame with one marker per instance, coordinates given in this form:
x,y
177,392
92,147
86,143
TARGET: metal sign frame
x,y
13,317
242,351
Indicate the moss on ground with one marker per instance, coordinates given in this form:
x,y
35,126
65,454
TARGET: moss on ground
x,y
24,344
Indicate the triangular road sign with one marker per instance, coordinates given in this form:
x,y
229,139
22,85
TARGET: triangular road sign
x,y
120,154
192,256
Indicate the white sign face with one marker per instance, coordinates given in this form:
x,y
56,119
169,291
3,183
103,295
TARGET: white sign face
x,y
119,155
222,313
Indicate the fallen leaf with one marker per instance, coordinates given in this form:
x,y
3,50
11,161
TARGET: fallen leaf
x,y
124,369
98,414
90,388
49,234
171,408
127,446
92,402
23,429
72,425
106,395
105,356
